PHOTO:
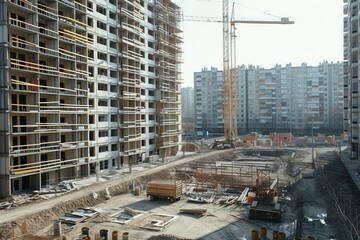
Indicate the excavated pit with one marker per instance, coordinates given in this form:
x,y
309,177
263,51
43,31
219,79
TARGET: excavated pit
x,y
283,163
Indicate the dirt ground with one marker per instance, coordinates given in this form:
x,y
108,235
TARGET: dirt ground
x,y
221,221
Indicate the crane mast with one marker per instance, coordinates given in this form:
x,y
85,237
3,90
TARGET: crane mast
x,y
229,64
226,71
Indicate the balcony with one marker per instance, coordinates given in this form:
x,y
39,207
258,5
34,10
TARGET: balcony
x,y
24,25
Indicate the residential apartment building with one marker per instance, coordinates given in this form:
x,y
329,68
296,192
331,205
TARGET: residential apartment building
x,y
351,75
86,85
187,105
282,99
209,107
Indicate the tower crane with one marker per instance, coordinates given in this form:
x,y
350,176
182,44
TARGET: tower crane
x,y
229,63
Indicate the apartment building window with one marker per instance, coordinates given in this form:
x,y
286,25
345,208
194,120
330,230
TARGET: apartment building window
x,y
112,30
91,87
114,118
91,119
18,41
103,118
90,6
112,15
113,88
102,87
102,103
21,20
91,135
113,59
112,44
90,22
103,133
92,151
113,74
43,119
114,133
101,40
114,147
104,165
101,10
90,37
103,149
101,25
102,56
102,71
113,103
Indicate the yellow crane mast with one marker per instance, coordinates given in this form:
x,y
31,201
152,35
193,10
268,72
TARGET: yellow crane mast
x,y
229,63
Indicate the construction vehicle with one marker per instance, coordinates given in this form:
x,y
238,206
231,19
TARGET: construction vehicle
x,y
266,205
171,190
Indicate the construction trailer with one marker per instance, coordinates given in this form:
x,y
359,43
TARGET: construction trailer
x,y
171,190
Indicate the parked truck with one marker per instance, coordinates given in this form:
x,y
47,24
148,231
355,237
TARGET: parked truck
x,y
171,190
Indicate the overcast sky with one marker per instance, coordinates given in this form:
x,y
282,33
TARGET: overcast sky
x,y
316,36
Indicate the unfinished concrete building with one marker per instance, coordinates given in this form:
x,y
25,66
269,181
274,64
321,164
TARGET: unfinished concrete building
x,y
85,86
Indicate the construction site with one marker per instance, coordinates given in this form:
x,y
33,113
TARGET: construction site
x,y
229,194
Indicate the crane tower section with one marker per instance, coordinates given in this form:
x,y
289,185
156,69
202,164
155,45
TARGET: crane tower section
x,y
229,76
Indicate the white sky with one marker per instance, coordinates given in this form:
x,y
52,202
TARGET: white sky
x,y
316,36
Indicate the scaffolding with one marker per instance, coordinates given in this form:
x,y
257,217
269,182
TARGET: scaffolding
x,y
221,175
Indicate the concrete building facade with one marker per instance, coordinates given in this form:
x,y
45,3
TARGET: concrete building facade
x,y
209,95
351,75
86,85
187,105
280,99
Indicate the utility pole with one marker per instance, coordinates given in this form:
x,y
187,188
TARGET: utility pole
x,y
312,142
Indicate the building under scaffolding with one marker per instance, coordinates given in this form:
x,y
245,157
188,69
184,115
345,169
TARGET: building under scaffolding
x,y
86,85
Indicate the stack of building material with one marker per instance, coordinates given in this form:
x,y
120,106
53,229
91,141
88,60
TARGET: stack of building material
x,y
164,189
243,196
80,215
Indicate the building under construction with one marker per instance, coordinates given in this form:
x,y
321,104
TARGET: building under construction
x,y
86,85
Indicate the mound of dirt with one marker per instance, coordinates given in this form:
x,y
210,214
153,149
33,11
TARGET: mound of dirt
x,y
166,237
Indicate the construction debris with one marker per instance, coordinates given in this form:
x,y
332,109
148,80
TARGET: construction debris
x,y
159,222
107,194
126,215
80,215
196,212
200,198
